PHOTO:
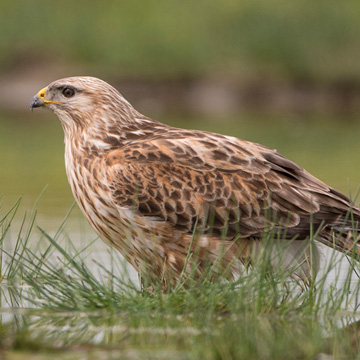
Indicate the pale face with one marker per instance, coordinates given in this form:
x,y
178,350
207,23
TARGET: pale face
x,y
76,100
69,97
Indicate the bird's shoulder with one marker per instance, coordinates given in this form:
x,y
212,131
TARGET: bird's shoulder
x,y
193,149
202,151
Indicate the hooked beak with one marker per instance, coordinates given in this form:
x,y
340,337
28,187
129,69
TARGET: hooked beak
x,y
36,102
39,100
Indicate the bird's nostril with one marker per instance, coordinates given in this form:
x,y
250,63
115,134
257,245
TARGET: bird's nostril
x,y
41,93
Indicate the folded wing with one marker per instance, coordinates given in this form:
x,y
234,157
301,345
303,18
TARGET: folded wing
x,y
226,186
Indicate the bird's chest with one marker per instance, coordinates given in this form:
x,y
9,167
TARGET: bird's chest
x,y
116,225
90,186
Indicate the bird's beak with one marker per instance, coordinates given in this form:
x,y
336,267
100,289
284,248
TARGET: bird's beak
x,y
36,102
39,100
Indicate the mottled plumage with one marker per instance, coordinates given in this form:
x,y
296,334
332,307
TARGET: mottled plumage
x,y
146,188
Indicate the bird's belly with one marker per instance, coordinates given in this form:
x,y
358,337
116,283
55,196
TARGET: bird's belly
x,y
141,241
136,238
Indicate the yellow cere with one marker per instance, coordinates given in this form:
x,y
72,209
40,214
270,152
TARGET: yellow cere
x,y
41,95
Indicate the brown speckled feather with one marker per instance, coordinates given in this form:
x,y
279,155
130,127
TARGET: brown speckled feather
x,y
147,188
226,184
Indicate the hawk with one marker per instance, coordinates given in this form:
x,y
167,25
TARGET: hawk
x,y
173,201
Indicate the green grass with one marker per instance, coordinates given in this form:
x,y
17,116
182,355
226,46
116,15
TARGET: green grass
x,y
62,305
247,39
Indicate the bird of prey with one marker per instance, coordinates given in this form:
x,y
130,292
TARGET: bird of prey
x,y
173,200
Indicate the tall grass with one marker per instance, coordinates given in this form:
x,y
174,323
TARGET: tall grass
x,y
58,301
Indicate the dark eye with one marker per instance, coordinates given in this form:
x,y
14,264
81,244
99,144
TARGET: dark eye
x,y
68,92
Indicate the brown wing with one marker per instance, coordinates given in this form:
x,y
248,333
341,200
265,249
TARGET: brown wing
x,y
223,183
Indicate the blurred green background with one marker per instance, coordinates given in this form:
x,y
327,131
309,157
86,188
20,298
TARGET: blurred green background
x,y
282,73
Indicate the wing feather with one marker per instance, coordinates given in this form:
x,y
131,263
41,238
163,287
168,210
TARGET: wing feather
x,y
223,183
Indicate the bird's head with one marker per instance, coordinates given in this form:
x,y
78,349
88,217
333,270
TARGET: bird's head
x,y
83,102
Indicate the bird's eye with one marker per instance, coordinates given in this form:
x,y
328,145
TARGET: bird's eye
x,y
68,92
